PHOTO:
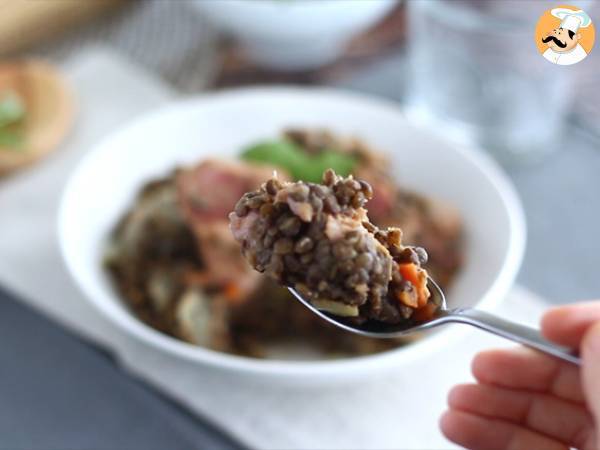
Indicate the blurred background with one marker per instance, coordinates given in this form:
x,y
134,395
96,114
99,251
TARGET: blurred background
x,y
469,70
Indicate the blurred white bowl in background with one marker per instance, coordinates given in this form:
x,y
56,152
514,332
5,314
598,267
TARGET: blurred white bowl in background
x,y
294,34
106,181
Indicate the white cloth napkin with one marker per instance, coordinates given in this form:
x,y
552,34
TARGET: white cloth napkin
x,y
399,411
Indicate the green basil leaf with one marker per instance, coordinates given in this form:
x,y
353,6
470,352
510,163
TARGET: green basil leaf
x,y
10,139
12,108
301,165
284,154
342,163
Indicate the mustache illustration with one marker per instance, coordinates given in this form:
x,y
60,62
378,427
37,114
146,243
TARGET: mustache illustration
x,y
556,41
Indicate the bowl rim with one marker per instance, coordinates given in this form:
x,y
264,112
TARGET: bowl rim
x,y
351,365
276,6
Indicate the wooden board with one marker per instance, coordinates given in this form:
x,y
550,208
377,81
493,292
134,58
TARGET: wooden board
x,y
26,22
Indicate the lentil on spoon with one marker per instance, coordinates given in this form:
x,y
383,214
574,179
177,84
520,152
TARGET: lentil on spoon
x,y
318,239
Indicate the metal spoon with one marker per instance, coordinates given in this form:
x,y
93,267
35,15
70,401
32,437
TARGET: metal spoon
x,y
527,336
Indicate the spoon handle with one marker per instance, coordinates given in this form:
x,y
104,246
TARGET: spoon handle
x,y
522,334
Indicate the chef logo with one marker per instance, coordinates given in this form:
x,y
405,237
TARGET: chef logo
x,y
565,35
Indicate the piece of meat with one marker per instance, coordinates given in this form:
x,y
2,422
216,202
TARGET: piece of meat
x,y
206,194
210,190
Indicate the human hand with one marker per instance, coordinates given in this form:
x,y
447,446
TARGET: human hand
x,y
526,400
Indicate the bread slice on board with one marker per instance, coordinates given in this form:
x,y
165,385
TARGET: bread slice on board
x,y
49,110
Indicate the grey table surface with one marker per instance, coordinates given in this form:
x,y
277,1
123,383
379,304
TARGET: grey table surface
x,y
59,392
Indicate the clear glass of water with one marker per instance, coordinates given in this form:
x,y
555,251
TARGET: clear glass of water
x,y
476,74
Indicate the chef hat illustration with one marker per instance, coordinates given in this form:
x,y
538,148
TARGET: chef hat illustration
x,y
572,20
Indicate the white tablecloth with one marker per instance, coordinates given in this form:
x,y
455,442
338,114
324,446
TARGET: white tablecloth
x,y
399,411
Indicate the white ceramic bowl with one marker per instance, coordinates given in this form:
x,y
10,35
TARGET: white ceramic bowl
x,y
220,124
294,34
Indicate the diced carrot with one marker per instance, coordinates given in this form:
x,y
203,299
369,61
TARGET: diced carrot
x,y
409,273
232,292
418,278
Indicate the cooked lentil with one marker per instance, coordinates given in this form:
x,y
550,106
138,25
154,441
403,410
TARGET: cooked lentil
x,y
318,239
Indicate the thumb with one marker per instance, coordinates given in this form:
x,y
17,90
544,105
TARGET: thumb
x,y
590,350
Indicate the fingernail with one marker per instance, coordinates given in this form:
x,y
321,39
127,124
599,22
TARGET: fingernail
x,y
591,341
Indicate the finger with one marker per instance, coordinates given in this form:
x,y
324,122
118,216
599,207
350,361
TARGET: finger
x,y
553,417
522,368
590,351
482,433
566,325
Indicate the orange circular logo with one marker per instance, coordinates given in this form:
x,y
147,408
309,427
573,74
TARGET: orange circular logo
x,y
565,35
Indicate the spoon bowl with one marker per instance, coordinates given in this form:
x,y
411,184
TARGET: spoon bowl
x,y
522,334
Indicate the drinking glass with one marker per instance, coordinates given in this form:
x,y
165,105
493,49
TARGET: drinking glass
x,y
475,73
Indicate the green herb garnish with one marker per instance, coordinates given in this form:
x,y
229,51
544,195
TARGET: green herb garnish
x,y
12,108
301,165
10,139
12,113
